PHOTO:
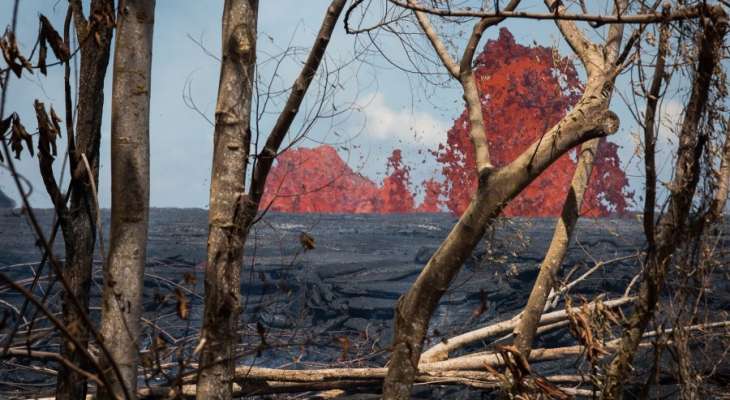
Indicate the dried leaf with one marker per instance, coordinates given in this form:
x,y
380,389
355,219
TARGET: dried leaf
x,y
59,47
514,360
159,344
345,344
189,278
19,136
306,241
482,304
56,121
183,305
47,132
12,55
550,391
42,53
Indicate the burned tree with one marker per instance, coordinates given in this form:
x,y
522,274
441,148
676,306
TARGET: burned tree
x,y
233,208
76,210
672,225
124,268
584,123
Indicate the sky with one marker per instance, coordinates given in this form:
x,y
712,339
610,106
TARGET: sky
x,y
388,108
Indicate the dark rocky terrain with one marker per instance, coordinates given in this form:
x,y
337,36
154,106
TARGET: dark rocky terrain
x,y
347,286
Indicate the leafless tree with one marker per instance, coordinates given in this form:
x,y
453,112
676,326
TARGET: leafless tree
x,y
673,223
77,218
589,119
124,270
680,237
233,207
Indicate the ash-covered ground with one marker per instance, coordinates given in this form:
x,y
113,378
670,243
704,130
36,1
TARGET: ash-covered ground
x,y
333,305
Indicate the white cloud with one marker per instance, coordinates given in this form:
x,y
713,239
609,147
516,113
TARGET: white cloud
x,y
670,119
385,123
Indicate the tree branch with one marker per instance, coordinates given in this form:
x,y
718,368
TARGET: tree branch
x,y
681,14
267,155
436,42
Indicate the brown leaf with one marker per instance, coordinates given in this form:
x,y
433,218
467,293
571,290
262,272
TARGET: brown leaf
x,y
345,344
47,132
307,241
56,121
183,305
519,361
159,344
482,304
42,53
16,62
5,125
19,136
189,278
549,390
59,47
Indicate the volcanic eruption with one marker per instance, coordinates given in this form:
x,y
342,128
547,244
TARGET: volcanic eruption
x,y
524,91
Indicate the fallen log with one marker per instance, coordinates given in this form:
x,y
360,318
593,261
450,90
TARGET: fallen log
x,y
441,351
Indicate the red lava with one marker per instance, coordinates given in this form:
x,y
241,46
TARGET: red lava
x,y
524,91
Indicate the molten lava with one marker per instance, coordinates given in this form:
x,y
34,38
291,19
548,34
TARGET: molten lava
x,y
524,91
318,180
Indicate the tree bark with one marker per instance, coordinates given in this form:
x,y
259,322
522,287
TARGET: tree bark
x,y
672,225
78,225
440,352
227,230
123,279
565,227
586,121
589,119
232,211
650,139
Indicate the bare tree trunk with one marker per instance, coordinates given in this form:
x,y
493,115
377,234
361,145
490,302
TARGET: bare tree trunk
x,y
413,311
123,281
673,224
227,231
650,140
565,227
232,211
589,119
78,226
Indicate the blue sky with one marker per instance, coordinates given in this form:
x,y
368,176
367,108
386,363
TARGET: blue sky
x,y
390,108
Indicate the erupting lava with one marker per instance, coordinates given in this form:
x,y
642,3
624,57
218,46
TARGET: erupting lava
x,y
318,180
524,91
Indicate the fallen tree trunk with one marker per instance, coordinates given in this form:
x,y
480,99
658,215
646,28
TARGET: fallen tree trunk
x,y
467,370
441,351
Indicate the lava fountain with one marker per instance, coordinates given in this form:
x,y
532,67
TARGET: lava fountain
x,y
524,91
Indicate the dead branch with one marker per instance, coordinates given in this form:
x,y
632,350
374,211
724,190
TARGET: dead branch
x,y
671,226
441,351
680,14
